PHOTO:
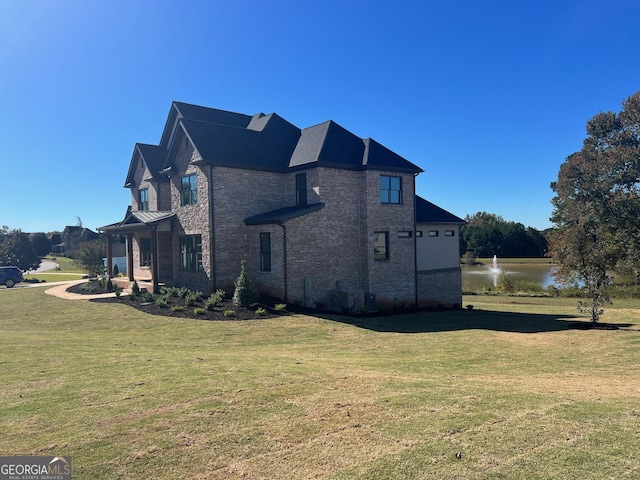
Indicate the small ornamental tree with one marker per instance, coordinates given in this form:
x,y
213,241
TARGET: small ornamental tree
x,y
89,255
245,293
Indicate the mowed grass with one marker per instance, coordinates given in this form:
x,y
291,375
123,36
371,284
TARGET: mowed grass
x,y
501,391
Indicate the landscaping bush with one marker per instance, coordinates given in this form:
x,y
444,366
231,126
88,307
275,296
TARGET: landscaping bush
x,y
162,301
214,300
147,297
245,293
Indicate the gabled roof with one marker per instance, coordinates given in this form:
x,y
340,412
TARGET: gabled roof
x,y
203,114
154,156
281,215
427,212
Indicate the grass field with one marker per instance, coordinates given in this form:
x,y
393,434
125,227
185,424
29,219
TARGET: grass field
x,y
504,390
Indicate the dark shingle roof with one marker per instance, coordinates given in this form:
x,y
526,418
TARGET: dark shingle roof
x,y
377,155
427,212
281,215
266,149
267,142
329,144
212,115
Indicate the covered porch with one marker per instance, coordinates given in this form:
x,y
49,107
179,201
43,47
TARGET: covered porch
x,y
148,247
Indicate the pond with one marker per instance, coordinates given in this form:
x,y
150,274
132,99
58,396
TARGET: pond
x,y
481,277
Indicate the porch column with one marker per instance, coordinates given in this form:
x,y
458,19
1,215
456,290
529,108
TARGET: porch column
x,y
130,256
154,261
109,257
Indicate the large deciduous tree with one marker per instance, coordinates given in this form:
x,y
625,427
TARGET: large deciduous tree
x,y
41,244
17,250
596,207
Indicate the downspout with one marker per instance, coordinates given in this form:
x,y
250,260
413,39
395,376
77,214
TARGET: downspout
x,y
284,259
415,240
212,237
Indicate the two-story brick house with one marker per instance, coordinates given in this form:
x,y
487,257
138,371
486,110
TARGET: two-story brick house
x,y
322,217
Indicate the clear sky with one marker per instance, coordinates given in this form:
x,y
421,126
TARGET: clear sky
x,y
488,97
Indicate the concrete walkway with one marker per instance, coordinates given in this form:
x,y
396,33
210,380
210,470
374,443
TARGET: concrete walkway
x,y
60,291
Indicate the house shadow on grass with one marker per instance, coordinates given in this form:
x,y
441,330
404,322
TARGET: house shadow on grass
x,y
454,320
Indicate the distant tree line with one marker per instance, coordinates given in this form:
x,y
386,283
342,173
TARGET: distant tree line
x,y
25,250
487,234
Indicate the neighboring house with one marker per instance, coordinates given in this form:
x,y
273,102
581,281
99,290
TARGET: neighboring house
x,y
322,217
66,242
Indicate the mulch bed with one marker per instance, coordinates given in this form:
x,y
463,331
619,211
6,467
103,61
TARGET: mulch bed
x,y
240,313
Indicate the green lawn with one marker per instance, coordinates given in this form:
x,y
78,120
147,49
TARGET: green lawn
x,y
501,391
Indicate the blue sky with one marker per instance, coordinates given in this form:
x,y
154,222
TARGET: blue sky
x,y
488,97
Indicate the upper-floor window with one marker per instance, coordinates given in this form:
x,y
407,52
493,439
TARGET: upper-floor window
x,y
301,189
390,189
189,189
143,199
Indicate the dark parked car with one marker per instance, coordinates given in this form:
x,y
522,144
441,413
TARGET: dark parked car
x,y
9,276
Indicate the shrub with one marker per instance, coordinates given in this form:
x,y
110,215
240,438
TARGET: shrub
x,y
214,300
199,311
280,307
147,297
118,292
109,285
261,311
170,291
135,289
245,293
177,308
116,270
191,298
183,292
162,302
229,313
